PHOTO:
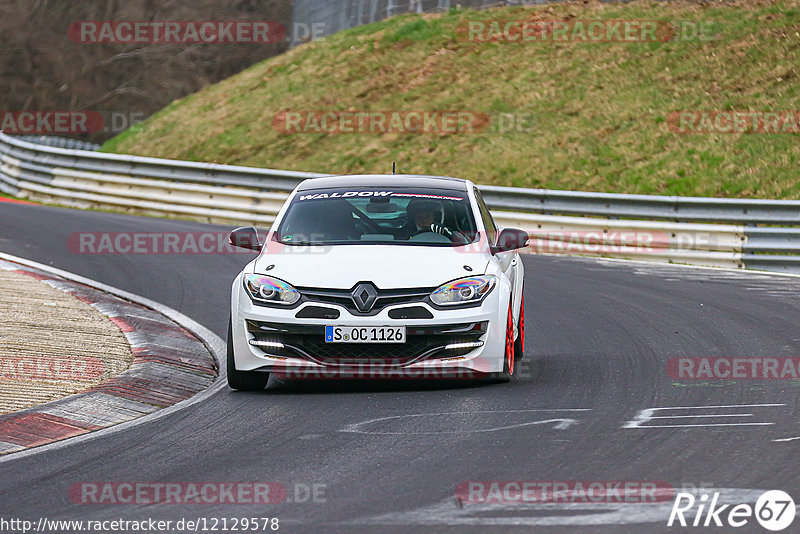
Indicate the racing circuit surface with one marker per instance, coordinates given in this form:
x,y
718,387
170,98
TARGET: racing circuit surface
x,y
599,335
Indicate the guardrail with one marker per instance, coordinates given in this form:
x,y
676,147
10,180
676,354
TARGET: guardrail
x,y
59,142
739,233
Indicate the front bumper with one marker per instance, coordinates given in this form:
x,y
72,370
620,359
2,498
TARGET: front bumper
x,y
276,340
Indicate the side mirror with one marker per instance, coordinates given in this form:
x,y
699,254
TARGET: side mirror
x,y
246,237
510,239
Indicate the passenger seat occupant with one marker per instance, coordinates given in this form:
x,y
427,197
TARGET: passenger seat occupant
x,y
337,222
312,224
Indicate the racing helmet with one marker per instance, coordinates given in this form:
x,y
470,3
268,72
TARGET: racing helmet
x,y
425,205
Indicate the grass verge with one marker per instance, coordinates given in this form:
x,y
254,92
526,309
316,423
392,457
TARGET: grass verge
x,y
597,112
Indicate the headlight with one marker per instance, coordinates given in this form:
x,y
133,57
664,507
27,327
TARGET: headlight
x,y
463,290
267,289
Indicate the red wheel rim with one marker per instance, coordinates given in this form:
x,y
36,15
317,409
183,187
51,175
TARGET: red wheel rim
x,y
510,342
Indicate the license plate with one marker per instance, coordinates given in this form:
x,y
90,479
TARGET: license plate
x,y
365,334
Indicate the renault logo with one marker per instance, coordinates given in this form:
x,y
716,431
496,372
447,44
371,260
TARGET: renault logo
x,y
364,296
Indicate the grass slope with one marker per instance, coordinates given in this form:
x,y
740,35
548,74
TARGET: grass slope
x,y
600,109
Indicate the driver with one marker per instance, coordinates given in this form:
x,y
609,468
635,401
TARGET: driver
x,y
424,216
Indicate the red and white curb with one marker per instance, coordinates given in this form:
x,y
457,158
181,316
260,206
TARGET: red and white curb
x,y
170,366
15,201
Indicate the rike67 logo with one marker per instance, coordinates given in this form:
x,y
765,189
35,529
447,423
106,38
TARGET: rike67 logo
x,y
774,510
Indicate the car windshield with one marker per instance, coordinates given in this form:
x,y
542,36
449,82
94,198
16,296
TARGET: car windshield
x,y
363,215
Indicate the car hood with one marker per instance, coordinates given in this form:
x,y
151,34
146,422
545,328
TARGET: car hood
x,y
387,266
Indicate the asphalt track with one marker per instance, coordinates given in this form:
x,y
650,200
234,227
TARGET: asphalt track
x,y
599,334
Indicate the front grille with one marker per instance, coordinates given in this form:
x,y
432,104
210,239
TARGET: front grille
x,y
308,342
386,297
361,353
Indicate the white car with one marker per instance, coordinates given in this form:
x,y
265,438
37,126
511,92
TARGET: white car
x,y
378,276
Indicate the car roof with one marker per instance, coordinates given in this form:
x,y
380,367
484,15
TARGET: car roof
x,y
385,180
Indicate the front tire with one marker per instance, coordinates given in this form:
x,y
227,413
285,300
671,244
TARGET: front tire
x,y
243,380
519,344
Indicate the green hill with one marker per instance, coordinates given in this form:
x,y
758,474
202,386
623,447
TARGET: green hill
x,y
595,115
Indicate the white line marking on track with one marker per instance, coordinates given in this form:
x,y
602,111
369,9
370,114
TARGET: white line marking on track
x,y
643,416
561,423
